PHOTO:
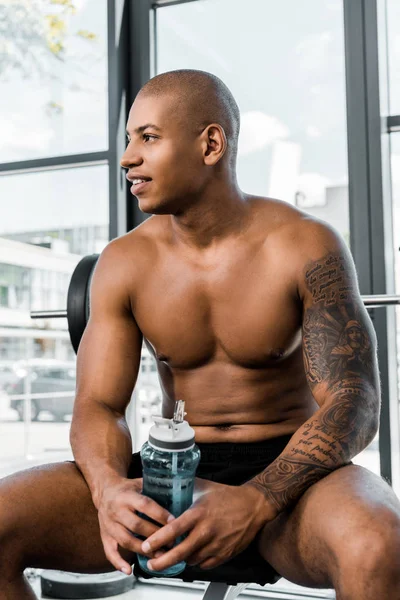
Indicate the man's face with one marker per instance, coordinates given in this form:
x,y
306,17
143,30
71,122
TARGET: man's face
x,y
163,150
355,337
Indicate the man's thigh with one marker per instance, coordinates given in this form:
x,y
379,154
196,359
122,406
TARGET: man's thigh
x,y
48,520
332,522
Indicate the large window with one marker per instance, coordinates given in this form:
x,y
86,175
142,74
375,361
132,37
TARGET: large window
x,y
53,102
284,63
53,78
288,76
393,46
395,171
389,33
395,164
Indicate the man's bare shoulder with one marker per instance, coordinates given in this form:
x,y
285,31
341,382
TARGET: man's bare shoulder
x,y
311,239
126,260
295,239
138,235
139,244
293,229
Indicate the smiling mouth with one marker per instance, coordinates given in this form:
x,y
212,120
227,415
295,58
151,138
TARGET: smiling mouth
x,y
139,184
137,181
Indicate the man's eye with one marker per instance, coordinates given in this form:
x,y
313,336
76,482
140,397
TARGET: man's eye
x,y
147,136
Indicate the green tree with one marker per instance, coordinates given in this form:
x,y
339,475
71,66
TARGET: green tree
x,y
34,35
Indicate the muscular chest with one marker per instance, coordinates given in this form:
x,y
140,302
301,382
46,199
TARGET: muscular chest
x,y
239,311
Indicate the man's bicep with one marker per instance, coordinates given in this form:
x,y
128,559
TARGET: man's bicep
x,y
339,342
110,349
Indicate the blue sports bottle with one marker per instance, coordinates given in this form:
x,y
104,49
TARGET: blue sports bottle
x,y
170,458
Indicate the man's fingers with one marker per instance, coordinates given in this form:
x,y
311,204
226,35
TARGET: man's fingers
x,y
137,483
126,539
149,507
210,563
113,556
197,557
137,524
169,533
172,557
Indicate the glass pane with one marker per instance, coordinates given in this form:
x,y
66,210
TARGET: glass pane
x,y
48,221
286,71
148,399
53,78
395,172
393,32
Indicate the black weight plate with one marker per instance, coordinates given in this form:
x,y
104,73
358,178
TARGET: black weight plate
x,y
78,300
61,584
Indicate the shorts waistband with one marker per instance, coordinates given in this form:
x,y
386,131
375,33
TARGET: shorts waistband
x,y
263,447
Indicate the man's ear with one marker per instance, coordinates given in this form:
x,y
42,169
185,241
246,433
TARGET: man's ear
x,y
214,144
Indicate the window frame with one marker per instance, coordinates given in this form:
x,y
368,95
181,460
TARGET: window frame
x,y
370,200
368,138
131,55
132,58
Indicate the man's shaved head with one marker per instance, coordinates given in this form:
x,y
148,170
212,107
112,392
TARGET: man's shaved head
x,y
200,99
183,130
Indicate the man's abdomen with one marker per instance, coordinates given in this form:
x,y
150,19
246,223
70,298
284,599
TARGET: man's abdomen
x,y
224,403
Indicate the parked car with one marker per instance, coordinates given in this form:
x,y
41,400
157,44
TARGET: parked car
x,y
47,377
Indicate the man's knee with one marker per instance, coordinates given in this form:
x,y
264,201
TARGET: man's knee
x,y
11,539
370,552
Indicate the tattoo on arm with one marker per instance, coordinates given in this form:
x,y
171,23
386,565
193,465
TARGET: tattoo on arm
x,y
335,339
341,368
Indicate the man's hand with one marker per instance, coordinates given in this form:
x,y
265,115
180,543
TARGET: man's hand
x,y
220,524
119,522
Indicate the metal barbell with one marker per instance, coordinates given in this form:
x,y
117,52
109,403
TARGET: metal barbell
x,y
78,301
380,300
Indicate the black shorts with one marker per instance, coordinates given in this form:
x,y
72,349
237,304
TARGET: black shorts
x,y
231,464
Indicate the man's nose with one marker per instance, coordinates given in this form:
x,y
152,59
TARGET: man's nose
x,y
130,158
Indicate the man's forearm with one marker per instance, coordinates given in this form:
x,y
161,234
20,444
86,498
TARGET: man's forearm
x,y
101,444
337,432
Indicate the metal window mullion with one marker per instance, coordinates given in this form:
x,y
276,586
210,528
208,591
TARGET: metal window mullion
x,y
54,162
118,83
138,74
382,232
392,411
381,278
154,43
164,3
113,222
360,238
371,239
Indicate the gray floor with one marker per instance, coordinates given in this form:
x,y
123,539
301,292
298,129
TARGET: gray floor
x,y
163,590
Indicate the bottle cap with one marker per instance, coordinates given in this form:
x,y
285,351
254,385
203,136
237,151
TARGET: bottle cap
x,y
172,435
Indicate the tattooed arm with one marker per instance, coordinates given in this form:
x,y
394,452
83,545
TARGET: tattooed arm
x,y
339,350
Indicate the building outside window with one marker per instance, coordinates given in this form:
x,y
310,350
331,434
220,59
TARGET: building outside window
x,y
53,103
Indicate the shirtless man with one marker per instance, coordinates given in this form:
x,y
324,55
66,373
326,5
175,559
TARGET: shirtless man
x,y
245,303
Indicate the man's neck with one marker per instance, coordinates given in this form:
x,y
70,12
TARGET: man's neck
x,y
221,215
